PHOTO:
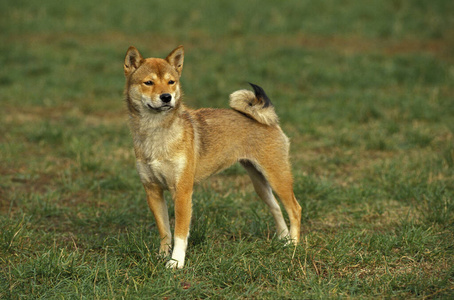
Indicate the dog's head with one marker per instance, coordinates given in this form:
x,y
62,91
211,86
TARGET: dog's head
x,y
153,84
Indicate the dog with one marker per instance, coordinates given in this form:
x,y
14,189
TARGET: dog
x,y
176,147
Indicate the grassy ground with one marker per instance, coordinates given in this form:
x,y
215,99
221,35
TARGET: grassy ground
x,y
363,88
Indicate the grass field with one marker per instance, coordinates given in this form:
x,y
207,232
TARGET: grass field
x,y
364,89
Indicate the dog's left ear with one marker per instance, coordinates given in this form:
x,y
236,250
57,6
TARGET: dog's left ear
x,y
176,58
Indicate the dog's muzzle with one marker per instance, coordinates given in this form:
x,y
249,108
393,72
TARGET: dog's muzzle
x,y
163,104
165,107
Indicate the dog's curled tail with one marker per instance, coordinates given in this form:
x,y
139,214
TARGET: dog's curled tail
x,y
256,105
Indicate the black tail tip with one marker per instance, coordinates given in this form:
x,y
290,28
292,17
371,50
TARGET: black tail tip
x,y
261,95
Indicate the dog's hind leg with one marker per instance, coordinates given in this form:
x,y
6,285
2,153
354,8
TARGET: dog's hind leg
x,y
281,181
263,189
279,177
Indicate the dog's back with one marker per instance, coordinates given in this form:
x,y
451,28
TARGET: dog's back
x,y
226,136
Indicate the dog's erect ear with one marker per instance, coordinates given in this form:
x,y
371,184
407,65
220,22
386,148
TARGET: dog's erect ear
x,y
133,60
176,58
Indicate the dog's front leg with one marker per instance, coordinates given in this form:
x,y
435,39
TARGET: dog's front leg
x,y
158,206
183,211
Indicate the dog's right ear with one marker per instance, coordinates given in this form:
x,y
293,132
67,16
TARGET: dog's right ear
x,y
133,60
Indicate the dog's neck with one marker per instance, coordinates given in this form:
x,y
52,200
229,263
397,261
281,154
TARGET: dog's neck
x,y
154,131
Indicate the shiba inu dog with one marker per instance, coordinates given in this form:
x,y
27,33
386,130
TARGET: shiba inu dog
x,y
176,147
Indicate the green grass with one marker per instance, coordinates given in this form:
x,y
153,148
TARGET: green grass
x,y
364,89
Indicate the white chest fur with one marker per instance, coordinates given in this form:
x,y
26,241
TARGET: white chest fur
x,y
166,173
158,158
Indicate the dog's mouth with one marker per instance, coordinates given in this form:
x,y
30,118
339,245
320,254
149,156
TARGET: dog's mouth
x,y
165,107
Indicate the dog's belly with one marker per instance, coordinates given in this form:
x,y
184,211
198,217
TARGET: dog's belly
x,y
210,165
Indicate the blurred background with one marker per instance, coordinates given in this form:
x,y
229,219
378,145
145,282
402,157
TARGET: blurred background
x,y
55,53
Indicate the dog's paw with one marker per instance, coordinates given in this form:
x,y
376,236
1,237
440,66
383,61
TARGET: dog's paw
x,y
283,234
291,242
288,240
174,264
165,250
178,254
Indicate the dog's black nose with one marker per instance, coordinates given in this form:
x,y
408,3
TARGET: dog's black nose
x,y
166,98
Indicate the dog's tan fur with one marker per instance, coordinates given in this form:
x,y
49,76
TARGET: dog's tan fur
x,y
176,146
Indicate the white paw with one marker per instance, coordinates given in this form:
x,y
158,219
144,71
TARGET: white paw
x,y
178,255
283,235
289,241
174,264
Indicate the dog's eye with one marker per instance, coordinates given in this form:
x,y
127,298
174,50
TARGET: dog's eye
x,y
171,82
149,82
